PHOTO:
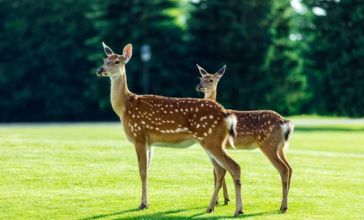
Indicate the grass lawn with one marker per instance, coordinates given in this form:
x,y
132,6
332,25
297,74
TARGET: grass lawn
x,y
89,171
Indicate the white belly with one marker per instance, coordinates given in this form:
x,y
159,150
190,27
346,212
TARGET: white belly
x,y
182,144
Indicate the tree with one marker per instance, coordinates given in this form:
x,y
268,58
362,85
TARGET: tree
x,y
235,33
285,79
336,55
44,63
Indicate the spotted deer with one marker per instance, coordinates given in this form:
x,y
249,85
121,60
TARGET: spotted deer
x,y
150,120
264,129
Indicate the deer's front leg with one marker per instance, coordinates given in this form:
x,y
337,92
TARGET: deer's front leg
x,y
141,150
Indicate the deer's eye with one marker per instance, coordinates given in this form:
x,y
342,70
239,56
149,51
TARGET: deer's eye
x,y
117,62
211,80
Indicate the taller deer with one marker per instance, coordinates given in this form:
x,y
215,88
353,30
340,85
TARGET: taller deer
x,y
264,129
150,120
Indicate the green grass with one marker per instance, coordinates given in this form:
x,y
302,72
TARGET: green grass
x,y
89,171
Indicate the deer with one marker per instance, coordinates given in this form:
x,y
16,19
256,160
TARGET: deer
x,y
152,120
263,129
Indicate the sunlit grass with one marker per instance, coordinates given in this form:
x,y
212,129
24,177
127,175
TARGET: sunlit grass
x,y
89,171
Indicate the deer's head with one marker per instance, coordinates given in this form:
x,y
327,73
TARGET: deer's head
x,y
208,81
114,62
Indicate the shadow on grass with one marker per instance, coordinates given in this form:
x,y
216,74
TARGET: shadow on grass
x,y
166,215
110,214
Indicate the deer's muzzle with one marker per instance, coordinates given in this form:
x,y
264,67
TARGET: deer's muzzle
x,y
99,71
199,88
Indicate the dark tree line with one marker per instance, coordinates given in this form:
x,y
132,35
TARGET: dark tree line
x,y
276,58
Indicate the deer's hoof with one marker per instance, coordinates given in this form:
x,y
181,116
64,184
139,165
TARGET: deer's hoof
x,y
237,213
226,202
209,210
143,206
283,209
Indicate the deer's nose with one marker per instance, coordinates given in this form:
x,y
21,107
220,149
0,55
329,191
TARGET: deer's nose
x,y
198,88
99,70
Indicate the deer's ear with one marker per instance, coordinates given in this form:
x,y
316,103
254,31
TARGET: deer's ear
x,y
201,70
127,52
107,49
221,71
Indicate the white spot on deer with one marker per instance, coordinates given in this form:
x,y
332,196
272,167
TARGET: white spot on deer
x,y
133,116
196,109
216,122
198,125
157,128
202,105
211,116
176,110
205,134
210,131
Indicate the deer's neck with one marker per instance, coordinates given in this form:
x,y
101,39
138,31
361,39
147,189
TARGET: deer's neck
x,y
119,93
211,95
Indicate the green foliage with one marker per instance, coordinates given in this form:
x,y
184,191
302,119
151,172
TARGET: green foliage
x,y
284,79
51,49
43,64
233,33
336,55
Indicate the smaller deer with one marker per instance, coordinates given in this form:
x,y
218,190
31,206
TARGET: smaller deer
x,y
264,129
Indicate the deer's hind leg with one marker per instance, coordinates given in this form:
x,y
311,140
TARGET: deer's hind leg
x,y
219,173
224,187
272,152
222,159
283,157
